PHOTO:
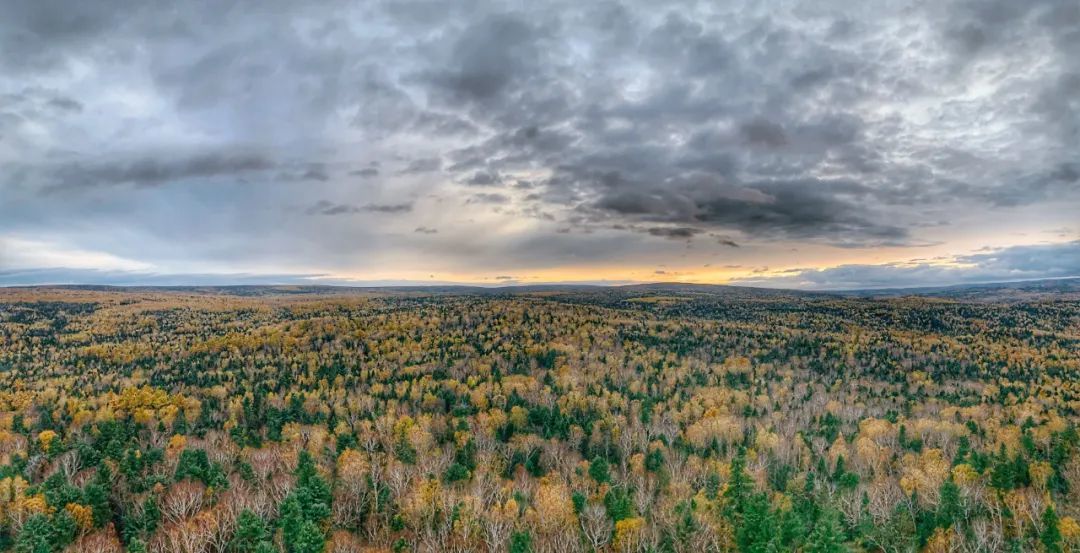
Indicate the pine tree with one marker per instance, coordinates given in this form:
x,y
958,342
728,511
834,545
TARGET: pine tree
x,y
195,464
826,537
251,531
313,491
521,542
739,484
291,520
265,547
840,469
619,504
180,425
1051,533
309,540
98,501
950,510
654,461
35,536
758,526
64,529
598,470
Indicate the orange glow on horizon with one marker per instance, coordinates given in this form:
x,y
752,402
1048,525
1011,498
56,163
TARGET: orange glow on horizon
x,y
694,274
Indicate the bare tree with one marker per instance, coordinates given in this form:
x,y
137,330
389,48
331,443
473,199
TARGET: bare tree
x,y
596,525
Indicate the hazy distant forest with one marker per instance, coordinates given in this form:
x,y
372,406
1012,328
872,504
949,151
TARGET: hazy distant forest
x,y
664,419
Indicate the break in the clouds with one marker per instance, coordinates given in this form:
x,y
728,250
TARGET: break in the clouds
x,y
427,140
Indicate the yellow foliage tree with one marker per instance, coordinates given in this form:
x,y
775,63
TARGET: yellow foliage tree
x,y
46,438
83,515
628,533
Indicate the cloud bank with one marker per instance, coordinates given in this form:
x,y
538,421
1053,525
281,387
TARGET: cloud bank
x,y
1016,263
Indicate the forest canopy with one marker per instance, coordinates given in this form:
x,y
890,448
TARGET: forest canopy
x,y
632,421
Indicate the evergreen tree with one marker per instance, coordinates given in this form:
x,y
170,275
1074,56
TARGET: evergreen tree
x,y
64,529
599,471
521,542
826,537
35,536
180,425
98,501
950,510
251,531
739,484
456,472
291,518
305,508
315,492
196,465
310,539
1051,533
654,461
265,547
619,504
758,526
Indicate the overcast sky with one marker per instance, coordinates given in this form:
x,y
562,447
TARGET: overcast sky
x,y
806,144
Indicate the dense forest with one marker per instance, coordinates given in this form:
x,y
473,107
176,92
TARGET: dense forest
x,y
630,420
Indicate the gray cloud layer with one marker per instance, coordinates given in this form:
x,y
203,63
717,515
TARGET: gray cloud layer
x,y
209,133
1016,263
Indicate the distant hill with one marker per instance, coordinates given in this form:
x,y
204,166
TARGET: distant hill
x,y
1035,290
630,290
293,289
1030,290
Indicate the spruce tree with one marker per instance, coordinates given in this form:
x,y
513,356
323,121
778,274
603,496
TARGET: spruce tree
x,y
309,540
251,531
739,484
35,536
598,470
521,542
1051,533
826,537
950,511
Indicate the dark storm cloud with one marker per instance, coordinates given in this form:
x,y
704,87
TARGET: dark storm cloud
x,y
676,233
152,170
482,178
39,35
488,198
326,207
389,208
309,172
983,27
367,172
615,174
1051,260
763,132
65,104
486,59
738,144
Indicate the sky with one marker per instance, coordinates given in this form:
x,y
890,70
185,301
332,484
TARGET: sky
x,y
822,145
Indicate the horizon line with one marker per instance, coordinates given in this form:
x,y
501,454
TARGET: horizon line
x,y
589,284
